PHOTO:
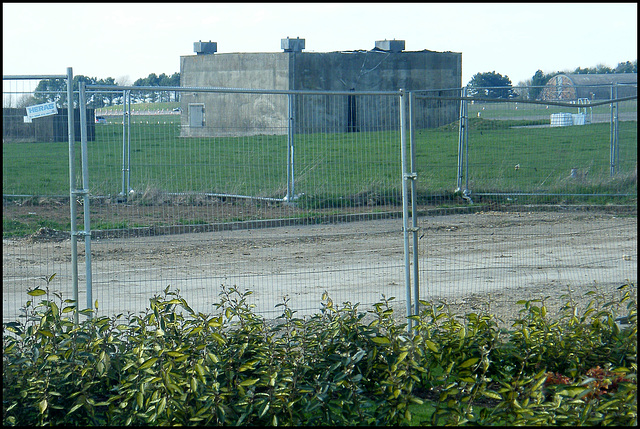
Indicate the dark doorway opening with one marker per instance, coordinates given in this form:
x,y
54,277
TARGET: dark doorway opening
x,y
352,115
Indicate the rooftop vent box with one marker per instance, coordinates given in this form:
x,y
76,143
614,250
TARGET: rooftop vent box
x,y
292,45
203,48
390,45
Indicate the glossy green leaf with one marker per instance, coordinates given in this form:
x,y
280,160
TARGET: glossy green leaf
x,y
199,369
45,332
467,363
218,338
148,363
381,340
492,395
162,404
402,356
75,407
431,345
42,406
249,382
193,384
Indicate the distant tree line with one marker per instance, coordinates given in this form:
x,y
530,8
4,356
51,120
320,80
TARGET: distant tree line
x,y
157,96
494,85
488,85
49,90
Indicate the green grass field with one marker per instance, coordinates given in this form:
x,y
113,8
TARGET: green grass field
x,y
332,165
515,110
142,107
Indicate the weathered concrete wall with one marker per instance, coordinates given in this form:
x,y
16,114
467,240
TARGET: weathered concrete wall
x,y
235,114
243,70
375,70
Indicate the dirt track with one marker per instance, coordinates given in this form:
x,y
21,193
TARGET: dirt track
x,y
466,260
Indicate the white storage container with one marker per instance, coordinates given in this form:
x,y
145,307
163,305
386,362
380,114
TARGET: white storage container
x,y
578,118
561,120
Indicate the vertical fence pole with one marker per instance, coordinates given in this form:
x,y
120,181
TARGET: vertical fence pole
x,y
82,107
616,129
128,189
462,128
613,114
72,193
467,192
414,208
290,157
124,139
405,205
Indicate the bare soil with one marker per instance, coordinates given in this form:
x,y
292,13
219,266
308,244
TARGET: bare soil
x,y
482,260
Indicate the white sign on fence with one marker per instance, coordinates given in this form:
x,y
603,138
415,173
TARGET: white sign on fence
x,y
40,110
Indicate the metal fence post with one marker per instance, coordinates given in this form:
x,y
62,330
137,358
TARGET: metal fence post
x,y
128,189
414,208
466,192
462,140
613,130
290,147
126,142
405,205
616,129
82,107
72,193
124,137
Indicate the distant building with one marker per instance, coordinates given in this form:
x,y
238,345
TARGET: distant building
x,y
386,67
47,129
571,87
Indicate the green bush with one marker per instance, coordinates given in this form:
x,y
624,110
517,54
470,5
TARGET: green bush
x,y
483,375
170,365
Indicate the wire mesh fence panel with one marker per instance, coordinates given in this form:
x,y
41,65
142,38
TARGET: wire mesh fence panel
x,y
626,155
231,192
435,129
496,258
35,150
35,188
546,149
294,193
544,207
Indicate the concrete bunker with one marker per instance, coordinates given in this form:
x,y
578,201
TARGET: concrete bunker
x,y
386,67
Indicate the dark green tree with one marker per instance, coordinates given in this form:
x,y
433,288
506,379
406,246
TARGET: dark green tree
x,y
155,80
49,90
539,80
94,100
56,90
627,67
491,85
598,69
174,80
107,97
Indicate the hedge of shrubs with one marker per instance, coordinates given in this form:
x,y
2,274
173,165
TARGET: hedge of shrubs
x,y
342,366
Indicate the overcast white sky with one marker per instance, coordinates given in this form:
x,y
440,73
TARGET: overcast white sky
x,y
132,40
